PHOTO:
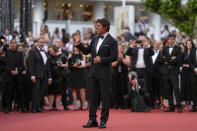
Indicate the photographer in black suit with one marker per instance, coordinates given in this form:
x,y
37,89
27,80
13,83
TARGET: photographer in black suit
x,y
104,51
171,69
39,71
140,98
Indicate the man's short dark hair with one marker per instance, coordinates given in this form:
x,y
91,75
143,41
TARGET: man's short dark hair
x,y
171,35
104,22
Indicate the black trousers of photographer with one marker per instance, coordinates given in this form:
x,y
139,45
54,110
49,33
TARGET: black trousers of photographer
x,y
103,86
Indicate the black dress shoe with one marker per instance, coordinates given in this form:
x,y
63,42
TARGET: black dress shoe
x,y
102,125
6,111
66,108
33,111
39,110
91,124
116,107
170,109
24,110
193,109
56,109
17,108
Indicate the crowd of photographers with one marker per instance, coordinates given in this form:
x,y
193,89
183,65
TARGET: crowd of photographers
x,y
146,72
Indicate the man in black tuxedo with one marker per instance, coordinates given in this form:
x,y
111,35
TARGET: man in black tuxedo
x,y
171,69
40,72
141,61
104,51
156,75
13,66
193,65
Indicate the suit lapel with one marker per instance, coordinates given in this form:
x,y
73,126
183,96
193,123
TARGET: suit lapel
x,y
195,56
40,55
158,57
173,50
95,44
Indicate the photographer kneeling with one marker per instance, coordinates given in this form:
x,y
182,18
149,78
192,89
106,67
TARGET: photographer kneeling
x,y
139,97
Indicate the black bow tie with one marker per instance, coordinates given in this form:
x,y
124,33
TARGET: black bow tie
x,y
42,50
170,46
101,36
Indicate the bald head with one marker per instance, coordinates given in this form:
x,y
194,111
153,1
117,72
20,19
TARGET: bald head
x,y
58,43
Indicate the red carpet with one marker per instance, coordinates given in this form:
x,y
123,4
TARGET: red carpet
x,y
124,120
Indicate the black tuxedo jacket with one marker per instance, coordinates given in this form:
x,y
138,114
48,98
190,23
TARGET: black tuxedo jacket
x,y
12,60
36,65
148,52
108,53
193,60
155,68
173,65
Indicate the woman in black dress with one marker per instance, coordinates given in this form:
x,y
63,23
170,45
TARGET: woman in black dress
x,y
58,62
186,90
76,64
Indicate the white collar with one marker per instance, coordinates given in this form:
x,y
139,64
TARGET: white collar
x,y
105,35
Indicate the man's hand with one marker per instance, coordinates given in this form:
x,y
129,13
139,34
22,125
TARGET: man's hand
x,y
33,79
13,73
77,38
120,56
97,59
173,57
166,63
16,73
49,81
24,72
186,65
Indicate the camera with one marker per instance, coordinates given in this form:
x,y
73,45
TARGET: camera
x,y
78,61
139,42
59,63
3,47
73,61
133,77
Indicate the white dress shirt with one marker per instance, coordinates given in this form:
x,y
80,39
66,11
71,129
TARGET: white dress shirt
x,y
154,57
140,60
100,41
44,57
170,50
